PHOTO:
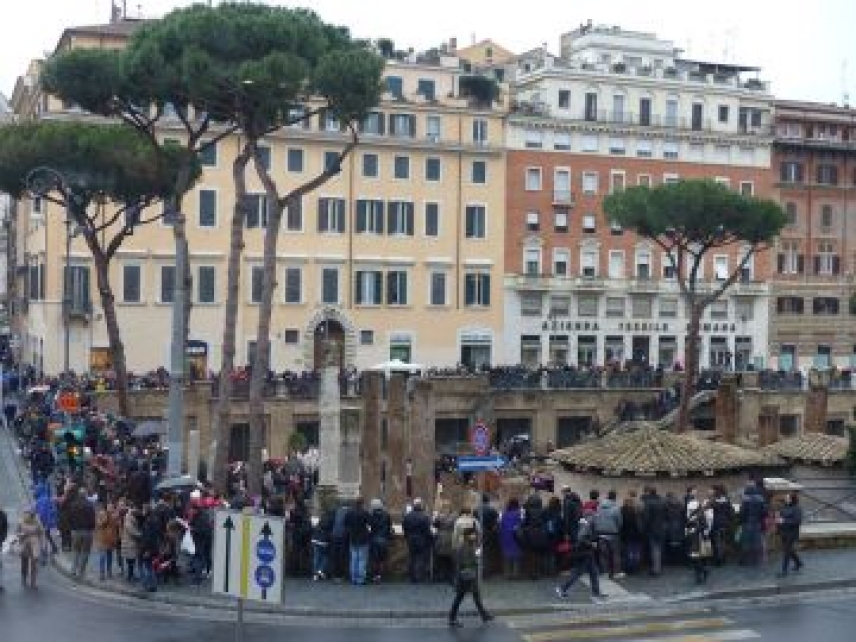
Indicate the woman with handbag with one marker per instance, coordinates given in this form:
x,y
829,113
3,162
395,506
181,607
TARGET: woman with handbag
x,y
467,577
699,519
31,535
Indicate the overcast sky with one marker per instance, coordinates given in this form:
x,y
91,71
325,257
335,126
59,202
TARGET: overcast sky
x,y
807,49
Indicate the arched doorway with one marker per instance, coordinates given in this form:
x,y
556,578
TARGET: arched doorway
x,y
332,332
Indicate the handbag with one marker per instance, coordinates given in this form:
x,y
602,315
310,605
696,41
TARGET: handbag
x,y
705,549
563,547
187,544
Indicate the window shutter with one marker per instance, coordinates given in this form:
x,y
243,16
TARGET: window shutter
x,y
836,264
358,288
469,289
817,265
362,206
470,223
780,305
485,289
381,122
322,119
392,124
323,213
800,263
340,219
412,125
781,263
408,213
390,218
378,215
800,305
799,173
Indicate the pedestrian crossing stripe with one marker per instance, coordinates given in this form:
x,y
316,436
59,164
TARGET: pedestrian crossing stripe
x,y
733,635
626,630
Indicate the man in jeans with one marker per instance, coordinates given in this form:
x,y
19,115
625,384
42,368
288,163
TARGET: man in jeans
x,y
359,535
4,531
607,526
583,561
81,521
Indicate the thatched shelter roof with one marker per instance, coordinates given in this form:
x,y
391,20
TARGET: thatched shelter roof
x,y
811,447
649,450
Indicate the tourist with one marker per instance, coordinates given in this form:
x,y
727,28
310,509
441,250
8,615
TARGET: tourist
x,y
81,523
465,522
583,560
509,525
572,510
676,526
654,528
30,534
723,521
607,526
699,519
321,544
534,539
488,519
105,539
753,512
359,536
631,537
380,526
417,533
789,521
467,577
130,541
444,554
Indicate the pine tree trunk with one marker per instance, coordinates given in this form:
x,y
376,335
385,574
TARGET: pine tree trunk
x,y
223,416
691,354
114,335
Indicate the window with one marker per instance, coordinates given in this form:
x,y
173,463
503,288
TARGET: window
x,y
618,114
533,179
329,122
480,131
587,306
790,214
426,88
401,167
131,283
263,155
589,224
330,285
826,262
616,181
432,169
615,307
291,336
475,222
207,283
294,159
645,111
531,304
644,148
399,218
479,172
697,116
789,305
532,221
720,267
433,128
826,217
719,309
588,262
562,141
790,261
723,113
331,214
669,271
825,305
643,264
564,99
395,86
373,123
616,264
616,146
368,287
167,283
670,149
438,288
256,281
668,308
560,306
671,117
366,337
744,310
477,289
257,211
534,139
432,219
591,106
293,285
589,142
532,261
370,166
294,216
561,262
668,179
643,180
402,125
207,208
791,172
207,154
747,188
369,216
641,307
589,182
560,221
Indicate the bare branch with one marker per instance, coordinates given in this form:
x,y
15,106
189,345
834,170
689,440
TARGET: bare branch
x,y
731,279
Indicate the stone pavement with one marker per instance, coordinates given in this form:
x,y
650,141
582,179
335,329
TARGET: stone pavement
x,y
825,569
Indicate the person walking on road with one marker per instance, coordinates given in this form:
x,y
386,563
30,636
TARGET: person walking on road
x,y
106,539
81,522
420,540
30,534
583,553
4,533
467,577
789,521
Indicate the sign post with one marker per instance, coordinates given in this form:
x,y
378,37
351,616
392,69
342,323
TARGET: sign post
x,y
248,560
480,440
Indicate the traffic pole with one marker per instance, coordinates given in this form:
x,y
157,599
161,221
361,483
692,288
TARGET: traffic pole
x,y
239,623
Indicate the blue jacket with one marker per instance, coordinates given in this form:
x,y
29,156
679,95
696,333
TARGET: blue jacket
x,y
46,507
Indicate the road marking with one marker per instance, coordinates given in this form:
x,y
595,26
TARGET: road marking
x,y
245,555
625,630
719,636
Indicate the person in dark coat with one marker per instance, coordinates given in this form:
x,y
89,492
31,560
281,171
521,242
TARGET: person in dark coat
x,y
150,544
420,540
572,510
359,536
723,520
509,523
339,543
789,521
4,533
534,539
467,577
321,544
753,512
488,518
654,528
676,524
631,534
380,526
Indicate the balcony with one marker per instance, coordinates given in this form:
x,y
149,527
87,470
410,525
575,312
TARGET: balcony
x,y
643,285
563,198
749,288
669,121
535,281
590,284
531,108
77,309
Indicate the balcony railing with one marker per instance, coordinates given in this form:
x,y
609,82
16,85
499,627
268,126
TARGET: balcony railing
x,y
77,308
563,197
668,121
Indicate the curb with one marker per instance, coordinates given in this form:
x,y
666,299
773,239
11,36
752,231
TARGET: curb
x,y
765,591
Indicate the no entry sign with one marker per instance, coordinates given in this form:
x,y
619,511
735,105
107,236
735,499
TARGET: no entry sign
x,y
480,438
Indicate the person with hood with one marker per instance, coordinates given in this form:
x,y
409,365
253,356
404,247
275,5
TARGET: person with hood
x,y
572,510
380,526
467,577
676,524
534,539
359,537
583,560
607,527
416,526
30,534
699,519
488,519
753,512
789,521
47,513
654,528
509,524
723,519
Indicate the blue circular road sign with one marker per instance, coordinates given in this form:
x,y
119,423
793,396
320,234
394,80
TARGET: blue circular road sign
x,y
265,576
480,438
266,551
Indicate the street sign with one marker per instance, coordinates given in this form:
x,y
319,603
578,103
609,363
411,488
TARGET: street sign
x,y
476,464
480,438
248,556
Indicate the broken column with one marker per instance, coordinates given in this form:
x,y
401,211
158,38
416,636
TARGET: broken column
x,y
727,408
396,443
371,459
816,402
329,439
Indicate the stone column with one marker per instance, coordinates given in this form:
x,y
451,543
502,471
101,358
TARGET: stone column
x,y
349,454
329,437
768,426
193,453
816,403
423,449
371,458
727,408
396,443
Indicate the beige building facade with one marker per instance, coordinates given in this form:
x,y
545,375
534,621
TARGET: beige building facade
x,y
400,255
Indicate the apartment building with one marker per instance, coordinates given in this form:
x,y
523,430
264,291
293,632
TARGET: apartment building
x,y
399,256
814,292
615,109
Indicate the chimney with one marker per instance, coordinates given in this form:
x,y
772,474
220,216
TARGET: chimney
x,y
453,46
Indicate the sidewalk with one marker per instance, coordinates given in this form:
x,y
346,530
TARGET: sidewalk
x,y
303,597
